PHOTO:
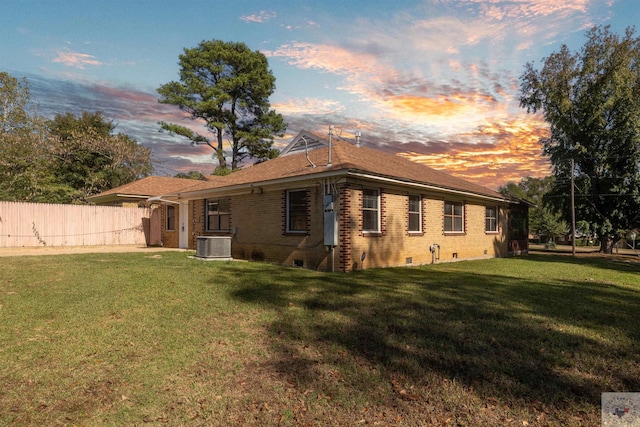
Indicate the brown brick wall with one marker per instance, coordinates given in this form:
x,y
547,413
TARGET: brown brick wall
x,y
198,223
259,221
261,229
170,239
397,247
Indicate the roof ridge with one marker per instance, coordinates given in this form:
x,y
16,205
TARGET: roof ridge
x,y
345,156
394,158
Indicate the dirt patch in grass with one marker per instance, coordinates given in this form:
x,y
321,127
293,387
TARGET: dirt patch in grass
x,y
616,258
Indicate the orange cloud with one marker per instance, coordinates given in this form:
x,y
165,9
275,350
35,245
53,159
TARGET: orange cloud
x,y
494,153
453,106
420,106
399,95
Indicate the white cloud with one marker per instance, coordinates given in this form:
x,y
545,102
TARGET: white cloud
x,y
75,59
260,17
308,106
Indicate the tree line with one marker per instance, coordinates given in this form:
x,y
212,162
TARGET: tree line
x,y
591,102
546,221
224,87
61,160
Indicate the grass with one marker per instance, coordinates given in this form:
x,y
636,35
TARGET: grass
x,y
162,339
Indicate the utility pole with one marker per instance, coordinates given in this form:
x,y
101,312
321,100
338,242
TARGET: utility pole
x,y
573,213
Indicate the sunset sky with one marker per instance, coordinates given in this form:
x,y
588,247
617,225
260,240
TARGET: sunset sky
x,y
436,81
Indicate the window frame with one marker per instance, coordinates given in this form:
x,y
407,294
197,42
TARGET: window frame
x,y
376,210
414,213
495,219
220,214
302,213
170,220
453,216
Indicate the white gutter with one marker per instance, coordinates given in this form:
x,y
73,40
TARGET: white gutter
x,y
115,196
159,199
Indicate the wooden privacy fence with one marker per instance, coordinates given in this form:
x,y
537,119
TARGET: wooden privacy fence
x,y
43,224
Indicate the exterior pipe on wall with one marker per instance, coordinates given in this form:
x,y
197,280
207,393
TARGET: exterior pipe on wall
x,y
432,249
330,135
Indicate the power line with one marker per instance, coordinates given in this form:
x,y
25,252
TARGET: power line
x,y
592,195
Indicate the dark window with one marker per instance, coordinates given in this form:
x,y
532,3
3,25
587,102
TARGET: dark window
x,y
453,217
518,228
171,218
218,214
297,211
415,213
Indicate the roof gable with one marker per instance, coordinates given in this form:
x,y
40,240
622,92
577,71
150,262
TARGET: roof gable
x,y
303,142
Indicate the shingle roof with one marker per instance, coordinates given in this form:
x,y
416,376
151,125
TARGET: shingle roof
x,y
344,157
148,187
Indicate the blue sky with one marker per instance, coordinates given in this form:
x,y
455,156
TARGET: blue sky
x,y
433,80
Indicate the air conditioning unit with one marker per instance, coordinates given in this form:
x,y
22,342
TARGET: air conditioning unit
x,y
213,247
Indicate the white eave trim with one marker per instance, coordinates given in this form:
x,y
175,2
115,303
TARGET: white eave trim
x,y
426,186
198,194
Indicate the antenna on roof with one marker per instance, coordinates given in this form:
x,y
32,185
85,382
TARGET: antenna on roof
x,y
358,135
330,135
338,135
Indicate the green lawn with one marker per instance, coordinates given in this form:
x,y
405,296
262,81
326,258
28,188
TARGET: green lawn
x,y
163,339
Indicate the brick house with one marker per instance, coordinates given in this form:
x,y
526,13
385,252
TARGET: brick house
x,y
160,227
336,206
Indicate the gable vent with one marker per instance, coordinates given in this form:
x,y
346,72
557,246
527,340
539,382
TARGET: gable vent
x,y
213,247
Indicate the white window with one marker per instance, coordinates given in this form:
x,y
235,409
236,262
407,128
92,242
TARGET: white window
x,y
371,210
218,214
491,219
453,217
296,211
415,214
